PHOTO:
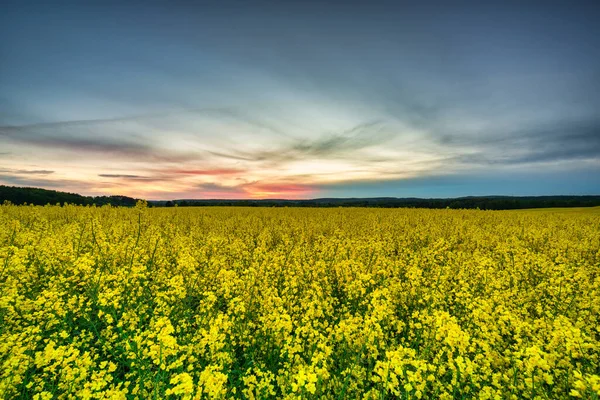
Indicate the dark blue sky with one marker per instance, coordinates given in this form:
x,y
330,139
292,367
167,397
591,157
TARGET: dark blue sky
x,y
301,99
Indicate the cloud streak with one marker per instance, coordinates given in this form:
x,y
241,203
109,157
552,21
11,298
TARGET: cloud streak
x,y
26,171
204,172
96,136
347,144
543,143
125,176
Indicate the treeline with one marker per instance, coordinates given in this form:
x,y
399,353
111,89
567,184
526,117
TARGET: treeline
x,y
36,196
482,203
41,197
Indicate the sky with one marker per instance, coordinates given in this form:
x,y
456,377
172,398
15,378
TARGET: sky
x,y
301,99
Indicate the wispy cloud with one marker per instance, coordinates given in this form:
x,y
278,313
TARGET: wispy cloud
x,y
341,144
109,137
541,143
204,172
119,176
346,144
33,181
26,171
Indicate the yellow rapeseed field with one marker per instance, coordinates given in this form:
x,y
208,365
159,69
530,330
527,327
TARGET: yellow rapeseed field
x,y
257,303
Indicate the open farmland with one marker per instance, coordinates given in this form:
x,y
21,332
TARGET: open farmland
x,y
256,303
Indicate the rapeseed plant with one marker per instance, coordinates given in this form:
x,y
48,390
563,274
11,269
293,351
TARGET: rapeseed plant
x,y
251,303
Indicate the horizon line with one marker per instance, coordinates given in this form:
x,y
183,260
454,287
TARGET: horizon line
x,y
308,199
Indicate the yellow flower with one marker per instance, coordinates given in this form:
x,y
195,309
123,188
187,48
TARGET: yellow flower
x,y
183,385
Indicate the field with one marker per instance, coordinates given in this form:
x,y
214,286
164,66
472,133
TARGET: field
x,y
257,303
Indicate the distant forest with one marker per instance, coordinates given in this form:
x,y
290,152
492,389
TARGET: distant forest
x,y
482,203
36,196
41,197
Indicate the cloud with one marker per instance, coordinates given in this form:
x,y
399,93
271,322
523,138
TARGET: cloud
x,y
564,141
133,137
119,176
215,187
204,172
236,114
138,178
104,137
174,174
343,145
27,171
359,137
59,184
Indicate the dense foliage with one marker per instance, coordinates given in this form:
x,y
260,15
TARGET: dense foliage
x,y
483,203
41,197
252,303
